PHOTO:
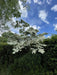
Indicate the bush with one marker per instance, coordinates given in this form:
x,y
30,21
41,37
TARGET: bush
x,y
6,56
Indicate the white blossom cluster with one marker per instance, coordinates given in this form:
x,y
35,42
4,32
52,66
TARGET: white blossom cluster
x,y
33,41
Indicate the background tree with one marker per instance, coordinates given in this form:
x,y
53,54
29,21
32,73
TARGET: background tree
x,y
9,9
50,55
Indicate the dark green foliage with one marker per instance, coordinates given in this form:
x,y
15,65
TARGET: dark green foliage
x,y
3,39
5,53
50,56
26,63
8,8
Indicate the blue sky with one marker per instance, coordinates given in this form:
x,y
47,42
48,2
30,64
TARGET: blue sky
x,y
42,14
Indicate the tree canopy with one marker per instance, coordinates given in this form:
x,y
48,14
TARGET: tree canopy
x,y
27,35
9,9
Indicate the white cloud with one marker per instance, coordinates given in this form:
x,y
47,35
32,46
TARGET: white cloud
x,y
49,1
40,2
13,19
35,26
39,27
54,8
43,16
49,37
55,18
37,1
11,27
23,10
14,30
55,25
29,1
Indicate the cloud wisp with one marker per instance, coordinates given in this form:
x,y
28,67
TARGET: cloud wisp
x,y
43,16
54,8
36,27
55,25
49,1
23,10
40,2
29,1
